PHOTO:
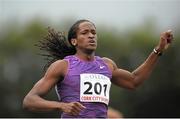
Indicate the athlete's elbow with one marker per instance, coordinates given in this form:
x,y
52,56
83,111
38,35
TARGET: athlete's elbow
x,y
132,87
132,83
27,103
137,80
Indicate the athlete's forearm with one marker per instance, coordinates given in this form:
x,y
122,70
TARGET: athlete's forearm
x,y
36,103
144,70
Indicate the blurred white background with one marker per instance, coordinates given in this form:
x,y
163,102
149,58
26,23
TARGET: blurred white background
x,y
120,14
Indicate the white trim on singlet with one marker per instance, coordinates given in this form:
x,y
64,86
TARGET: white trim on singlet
x,y
57,92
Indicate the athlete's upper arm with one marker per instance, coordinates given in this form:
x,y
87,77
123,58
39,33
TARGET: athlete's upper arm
x,y
120,77
56,71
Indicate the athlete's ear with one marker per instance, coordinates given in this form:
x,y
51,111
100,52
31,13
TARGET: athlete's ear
x,y
74,41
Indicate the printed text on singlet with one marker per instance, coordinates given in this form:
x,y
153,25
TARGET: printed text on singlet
x,y
94,88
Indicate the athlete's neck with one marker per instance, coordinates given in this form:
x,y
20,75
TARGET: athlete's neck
x,y
85,56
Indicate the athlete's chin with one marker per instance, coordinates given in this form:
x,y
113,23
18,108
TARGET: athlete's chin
x,y
92,48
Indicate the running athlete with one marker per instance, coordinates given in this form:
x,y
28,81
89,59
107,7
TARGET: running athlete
x,y
83,80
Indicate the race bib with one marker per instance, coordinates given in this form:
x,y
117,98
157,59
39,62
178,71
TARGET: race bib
x,y
94,88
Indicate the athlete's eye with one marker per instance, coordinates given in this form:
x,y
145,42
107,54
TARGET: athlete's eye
x,y
93,32
84,32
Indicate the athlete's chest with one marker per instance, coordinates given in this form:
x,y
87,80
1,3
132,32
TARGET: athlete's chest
x,y
77,68
94,71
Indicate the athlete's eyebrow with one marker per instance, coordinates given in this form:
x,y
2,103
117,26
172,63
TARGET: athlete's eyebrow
x,y
85,30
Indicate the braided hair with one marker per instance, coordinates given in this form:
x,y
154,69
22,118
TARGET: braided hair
x,y
56,45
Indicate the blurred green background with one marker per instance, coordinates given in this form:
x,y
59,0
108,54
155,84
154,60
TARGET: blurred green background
x,y
127,44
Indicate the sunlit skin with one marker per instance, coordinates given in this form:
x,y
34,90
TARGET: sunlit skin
x,y
86,44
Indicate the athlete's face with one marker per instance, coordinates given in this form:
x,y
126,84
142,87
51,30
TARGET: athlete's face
x,y
86,37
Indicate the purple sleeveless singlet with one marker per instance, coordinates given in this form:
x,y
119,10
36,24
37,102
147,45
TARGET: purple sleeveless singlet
x,y
68,90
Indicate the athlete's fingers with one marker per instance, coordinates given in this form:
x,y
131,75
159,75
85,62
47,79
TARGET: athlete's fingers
x,y
170,39
169,31
80,105
76,108
75,112
169,36
72,111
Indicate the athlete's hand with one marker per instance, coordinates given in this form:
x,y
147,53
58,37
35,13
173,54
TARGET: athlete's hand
x,y
165,40
73,108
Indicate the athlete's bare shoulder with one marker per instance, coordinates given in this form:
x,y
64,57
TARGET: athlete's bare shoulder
x,y
111,64
58,67
107,60
59,63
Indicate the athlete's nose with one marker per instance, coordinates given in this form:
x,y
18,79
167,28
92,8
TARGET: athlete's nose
x,y
91,35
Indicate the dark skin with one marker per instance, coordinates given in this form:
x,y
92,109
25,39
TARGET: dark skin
x,y
86,44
